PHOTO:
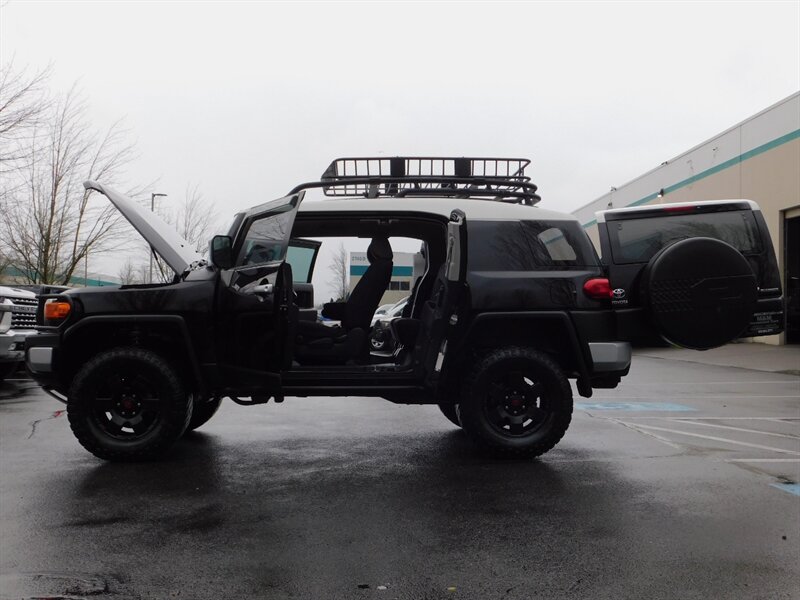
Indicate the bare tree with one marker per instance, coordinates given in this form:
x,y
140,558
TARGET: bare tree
x,y
5,262
49,222
23,105
131,274
195,220
339,275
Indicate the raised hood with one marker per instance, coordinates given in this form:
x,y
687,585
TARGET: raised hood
x,y
175,250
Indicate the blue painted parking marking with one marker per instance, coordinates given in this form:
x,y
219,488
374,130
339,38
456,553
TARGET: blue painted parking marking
x,y
634,406
792,488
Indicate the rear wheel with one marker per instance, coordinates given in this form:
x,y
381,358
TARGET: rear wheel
x,y
128,404
517,402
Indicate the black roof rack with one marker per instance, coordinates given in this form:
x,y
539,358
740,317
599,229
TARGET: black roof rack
x,y
500,179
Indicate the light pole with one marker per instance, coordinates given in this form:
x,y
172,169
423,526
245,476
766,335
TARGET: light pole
x,y
153,197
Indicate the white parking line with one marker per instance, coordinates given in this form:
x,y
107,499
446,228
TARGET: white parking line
x,y
709,382
709,437
762,460
758,431
721,418
680,398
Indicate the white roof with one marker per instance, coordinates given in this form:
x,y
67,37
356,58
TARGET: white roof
x,y
482,210
601,214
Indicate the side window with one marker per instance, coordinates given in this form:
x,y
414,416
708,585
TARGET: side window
x,y
528,246
556,244
266,238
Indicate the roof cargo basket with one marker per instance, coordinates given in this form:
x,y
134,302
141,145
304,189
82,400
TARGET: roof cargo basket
x,y
501,179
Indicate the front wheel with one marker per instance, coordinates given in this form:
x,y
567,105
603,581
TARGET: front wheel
x,y
128,404
517,402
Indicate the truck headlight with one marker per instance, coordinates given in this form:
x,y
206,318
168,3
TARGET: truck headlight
x,y
56,310
5,315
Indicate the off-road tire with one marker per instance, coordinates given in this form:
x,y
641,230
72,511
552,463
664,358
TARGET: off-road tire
x,y
451,412
114,376
513,379
202,412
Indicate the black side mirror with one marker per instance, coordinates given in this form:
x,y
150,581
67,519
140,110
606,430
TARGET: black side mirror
x,y
221,251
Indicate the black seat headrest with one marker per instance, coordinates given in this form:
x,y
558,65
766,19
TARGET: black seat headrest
x,y
379,249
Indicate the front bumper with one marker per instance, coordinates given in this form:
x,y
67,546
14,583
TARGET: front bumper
x,y
12,344
41,358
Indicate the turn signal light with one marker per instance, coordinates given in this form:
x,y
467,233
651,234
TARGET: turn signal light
x,y
56,311
598,288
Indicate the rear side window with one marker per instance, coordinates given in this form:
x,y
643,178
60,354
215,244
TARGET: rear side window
x,y
637,240
301,259
528,246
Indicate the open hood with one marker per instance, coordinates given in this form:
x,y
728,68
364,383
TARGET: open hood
x,y
175,250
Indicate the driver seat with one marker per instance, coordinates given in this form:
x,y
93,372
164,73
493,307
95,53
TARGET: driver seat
x,y
317,343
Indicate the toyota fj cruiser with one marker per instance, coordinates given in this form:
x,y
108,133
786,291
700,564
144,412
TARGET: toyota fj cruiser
x,y
512,304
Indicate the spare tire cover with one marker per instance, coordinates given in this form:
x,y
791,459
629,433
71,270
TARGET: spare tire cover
x,y
700,293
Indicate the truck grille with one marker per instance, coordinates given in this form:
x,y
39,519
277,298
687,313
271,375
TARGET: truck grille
x,y
22,317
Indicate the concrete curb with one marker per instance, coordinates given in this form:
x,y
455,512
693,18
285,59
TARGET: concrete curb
x,y
757,357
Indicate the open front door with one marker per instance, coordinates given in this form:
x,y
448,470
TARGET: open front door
x,y
256,312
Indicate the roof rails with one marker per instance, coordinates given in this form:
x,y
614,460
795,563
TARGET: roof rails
x,y
501,179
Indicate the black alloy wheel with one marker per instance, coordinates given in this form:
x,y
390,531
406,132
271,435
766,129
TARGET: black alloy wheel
x,y
516,402
128,404
516,405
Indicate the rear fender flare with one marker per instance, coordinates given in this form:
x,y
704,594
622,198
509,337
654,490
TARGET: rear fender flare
x,y
543,330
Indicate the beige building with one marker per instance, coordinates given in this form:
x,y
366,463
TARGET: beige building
x,y
758,159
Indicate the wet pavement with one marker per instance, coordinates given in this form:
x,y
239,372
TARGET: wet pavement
x,y
682,483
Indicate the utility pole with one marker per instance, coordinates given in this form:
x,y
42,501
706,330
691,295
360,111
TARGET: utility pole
x,y
153,197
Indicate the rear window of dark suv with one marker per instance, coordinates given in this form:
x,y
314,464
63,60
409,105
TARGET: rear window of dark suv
x,y
638,240
528,246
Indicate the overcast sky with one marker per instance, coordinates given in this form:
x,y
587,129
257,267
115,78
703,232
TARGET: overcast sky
x,y
247,99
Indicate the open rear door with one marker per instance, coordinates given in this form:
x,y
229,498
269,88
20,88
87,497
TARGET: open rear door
x,y
257,313
443,304
697,275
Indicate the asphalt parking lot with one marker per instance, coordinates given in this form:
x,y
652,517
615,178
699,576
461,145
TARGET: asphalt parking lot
x,y
682,483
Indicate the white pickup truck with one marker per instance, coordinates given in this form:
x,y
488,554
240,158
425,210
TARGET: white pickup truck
x,y
17,321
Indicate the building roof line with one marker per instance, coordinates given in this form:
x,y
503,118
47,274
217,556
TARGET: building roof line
x,y
697,147
779,141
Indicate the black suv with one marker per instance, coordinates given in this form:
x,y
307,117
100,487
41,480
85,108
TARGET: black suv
x,y
512,303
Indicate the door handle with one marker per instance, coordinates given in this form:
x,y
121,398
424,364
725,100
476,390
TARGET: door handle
x,y
265,289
